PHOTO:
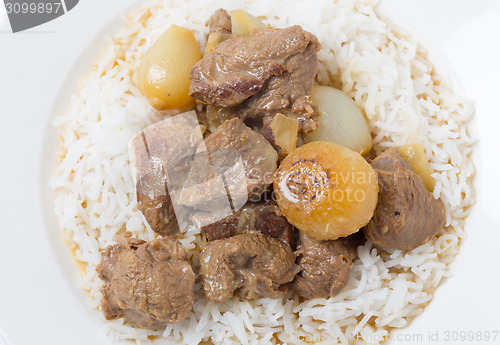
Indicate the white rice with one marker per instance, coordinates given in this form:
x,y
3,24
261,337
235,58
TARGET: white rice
x,y
375,62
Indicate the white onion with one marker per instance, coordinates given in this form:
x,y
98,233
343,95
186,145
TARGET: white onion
x,y
285,131
341,121
243,23
163,74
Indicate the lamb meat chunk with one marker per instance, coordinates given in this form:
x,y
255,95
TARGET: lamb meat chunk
x,y
148,284
153,200
407,215
264,217
226,227
288,94
259,75
325,265
238,67
242,165
258,156
250,265
267,219
160,159
220,22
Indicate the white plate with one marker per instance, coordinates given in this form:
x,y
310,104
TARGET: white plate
x,y
40,300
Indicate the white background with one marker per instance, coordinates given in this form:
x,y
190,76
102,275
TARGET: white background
x,y
40,300
4,26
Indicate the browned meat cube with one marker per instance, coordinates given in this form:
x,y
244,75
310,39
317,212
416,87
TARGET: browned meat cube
x,y
252,265
160,158
147,283
264,217
220,22
268,72
325,265
241,165
407,215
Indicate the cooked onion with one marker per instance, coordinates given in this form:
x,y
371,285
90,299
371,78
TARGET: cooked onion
x,y
163,75
243,22
285,130
214,39
415,154
216,116
341,121
326,190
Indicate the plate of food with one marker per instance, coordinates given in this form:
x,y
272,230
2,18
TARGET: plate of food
x,y
243,172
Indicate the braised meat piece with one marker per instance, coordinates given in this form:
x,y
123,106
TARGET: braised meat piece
x,y
252,265
407,215
267,219
288,94
149,284
241,166
325,265
153,200
259,75
220,22
264,217
226,227
160,160
259,158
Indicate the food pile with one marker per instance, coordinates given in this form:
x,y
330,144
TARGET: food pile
x,y
277,171
231,179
